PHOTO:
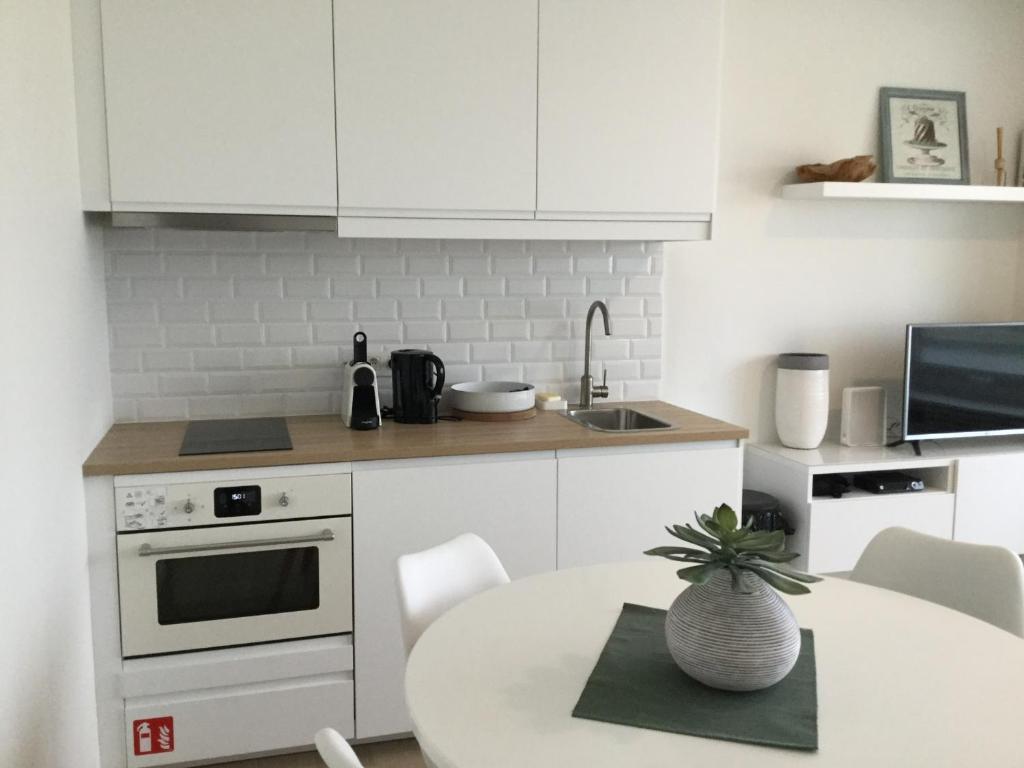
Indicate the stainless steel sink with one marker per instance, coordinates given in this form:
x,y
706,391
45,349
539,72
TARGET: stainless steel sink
x,y
616,420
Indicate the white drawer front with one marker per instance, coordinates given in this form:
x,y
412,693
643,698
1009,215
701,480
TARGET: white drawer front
x,y
229,722
842,528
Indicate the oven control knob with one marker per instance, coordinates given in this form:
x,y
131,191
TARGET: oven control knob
x,y
189,507
285,501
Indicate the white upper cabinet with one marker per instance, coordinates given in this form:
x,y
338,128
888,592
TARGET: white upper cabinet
x,y
220,105
437,108
628,109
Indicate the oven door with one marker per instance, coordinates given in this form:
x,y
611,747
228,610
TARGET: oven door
x,y
232,585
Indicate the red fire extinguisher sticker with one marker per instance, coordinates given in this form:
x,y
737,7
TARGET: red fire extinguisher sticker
x,y
153,735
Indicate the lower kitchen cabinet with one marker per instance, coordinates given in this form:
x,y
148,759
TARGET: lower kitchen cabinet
x,y
408,505
613,503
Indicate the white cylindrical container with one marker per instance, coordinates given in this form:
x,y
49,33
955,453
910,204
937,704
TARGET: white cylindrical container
x,y
801,399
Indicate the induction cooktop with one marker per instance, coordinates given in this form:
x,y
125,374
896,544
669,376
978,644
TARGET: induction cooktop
x,y
235,436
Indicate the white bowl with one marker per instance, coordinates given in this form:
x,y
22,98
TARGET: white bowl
x,y
492,396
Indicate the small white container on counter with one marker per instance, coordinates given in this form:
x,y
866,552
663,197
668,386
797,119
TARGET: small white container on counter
x,y
801,399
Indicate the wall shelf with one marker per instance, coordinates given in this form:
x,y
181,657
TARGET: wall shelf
x,y
846,190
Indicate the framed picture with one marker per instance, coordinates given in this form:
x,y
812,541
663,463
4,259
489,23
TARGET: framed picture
x,y
1020,162
923,136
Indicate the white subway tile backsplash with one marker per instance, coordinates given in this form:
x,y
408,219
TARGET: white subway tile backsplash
x,y
531,351
307,288
336,264
167,359
463,309
351,288
505,308
207,288
172,384
132,313
419,309
424,331
442,286
510,330
268,357
226,324
233,311
156,288
503,372
490,352
259,287
217,359
137,336
240,335
181,312
192,335
289,264
240,264
130,264
484,286
289,334
467,330
639,286
296,311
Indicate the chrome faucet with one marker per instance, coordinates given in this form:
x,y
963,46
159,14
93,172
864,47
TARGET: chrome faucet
x,y
587,389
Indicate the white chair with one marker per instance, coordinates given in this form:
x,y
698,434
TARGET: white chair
x,y
334,750
983,581
434,580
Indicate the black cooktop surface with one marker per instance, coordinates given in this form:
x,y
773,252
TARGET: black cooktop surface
x,y
235,436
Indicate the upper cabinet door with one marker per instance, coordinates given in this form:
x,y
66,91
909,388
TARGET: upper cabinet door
x,y
628,108
437,107
220,105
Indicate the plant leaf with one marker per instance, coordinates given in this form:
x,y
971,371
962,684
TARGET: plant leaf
x,y
737,580
780,583
691,536
789,573
770,557
666,551
725,516
699,574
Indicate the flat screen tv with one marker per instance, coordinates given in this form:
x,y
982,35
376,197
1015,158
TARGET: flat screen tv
x,y
963,380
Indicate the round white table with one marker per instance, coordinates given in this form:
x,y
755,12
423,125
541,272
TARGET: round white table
x,y
901,682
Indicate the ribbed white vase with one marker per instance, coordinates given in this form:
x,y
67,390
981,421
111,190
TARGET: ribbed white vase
x,y
730,640
801,399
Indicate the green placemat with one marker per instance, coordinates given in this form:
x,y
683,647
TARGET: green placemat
x,y
636,683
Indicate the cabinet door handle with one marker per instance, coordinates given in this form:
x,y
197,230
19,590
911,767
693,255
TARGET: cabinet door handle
x,y
147,550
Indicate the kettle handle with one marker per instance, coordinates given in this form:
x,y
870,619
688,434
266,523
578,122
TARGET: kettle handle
x,y
438,375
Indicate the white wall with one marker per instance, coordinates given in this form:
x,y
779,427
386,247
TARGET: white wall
x,y
800,84
54,396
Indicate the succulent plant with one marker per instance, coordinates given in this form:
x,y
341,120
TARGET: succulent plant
x,y
727,546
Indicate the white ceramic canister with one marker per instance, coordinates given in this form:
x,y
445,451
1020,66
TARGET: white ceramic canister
x,y
801,399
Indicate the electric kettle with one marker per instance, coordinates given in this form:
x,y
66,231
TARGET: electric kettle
x,y
417,377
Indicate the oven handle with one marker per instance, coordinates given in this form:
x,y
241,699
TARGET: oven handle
x,y
147,550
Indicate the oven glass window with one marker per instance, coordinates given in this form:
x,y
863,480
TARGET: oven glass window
x,y
228,586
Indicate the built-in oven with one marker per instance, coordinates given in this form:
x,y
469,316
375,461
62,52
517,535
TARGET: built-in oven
x,y
215,564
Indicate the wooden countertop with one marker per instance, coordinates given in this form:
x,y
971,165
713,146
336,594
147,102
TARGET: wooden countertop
x,y
132,449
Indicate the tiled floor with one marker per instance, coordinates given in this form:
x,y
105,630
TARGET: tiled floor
x,y
384,754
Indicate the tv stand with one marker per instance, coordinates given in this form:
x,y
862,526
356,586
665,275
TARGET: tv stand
x,y
972,493
915,444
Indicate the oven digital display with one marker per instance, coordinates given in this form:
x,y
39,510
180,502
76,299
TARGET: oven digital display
x,y
241,501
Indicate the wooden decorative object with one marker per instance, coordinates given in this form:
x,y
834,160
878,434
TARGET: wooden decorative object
x,y
850,169
529,413
1000,160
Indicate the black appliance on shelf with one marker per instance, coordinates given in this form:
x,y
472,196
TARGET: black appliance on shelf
x,y
417,377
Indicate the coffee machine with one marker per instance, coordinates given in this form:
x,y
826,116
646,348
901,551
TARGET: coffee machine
x,y
360,402
417,377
